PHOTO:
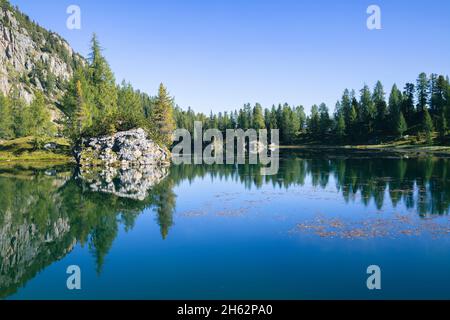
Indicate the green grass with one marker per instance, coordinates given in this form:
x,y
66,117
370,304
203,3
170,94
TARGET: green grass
x,y
25,150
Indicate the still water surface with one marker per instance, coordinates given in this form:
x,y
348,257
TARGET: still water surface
x,y
225,232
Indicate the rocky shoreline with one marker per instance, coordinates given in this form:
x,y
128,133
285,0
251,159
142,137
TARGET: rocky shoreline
x,y
125,149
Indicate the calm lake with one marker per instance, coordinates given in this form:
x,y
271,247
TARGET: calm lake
x,y
225,232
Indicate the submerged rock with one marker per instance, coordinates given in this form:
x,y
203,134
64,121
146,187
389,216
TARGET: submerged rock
x,y
124,149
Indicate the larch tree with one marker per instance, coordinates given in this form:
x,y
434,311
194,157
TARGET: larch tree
x,y
162,116
103,86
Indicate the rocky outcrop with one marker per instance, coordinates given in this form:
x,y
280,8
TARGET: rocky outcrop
x,y
124,149
32,58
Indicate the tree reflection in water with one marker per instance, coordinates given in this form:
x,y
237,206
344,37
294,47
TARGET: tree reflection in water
x,y
44,214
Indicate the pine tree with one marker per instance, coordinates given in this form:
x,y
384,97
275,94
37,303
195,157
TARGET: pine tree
x,y
273,119
368,110
258,118
290,124
422,92
324,122
353,118
314,121
162,117
379,100
131,111
395,101
346,105
407,106
340,127
300,113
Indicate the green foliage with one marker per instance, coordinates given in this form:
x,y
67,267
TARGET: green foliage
x,y
364,119
6,118
96,106
162,117
422,92
314,121
401,125
427,126
258,117
39,118
340,127
49,42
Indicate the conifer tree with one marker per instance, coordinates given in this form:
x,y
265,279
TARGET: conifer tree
x,y
395,101
325,121
82,116
130,110
368,110
258,118
379,100
407,106
340,127
422,92
104,88
300,113
314,121
401,125
428,127
162,116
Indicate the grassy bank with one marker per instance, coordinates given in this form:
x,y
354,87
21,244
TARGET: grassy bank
x,y
409,146
37,151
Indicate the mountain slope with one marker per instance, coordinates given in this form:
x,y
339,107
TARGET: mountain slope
x,y
32,58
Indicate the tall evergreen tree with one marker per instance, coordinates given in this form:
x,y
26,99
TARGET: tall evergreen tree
x,y
162,117
130,110
427,126
379,99
422,92
314,121
325,121
258,117
408,108
368,110
103,86
395,108
340,127
401,126
300,113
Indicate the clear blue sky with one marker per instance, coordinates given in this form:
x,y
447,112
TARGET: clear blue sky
x,y
219,55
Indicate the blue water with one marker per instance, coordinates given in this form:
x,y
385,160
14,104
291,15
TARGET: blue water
x,y
224,233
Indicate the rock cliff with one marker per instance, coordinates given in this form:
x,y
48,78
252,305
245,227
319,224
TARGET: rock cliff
x,y
32,58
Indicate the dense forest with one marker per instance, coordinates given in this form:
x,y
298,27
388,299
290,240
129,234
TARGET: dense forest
x,y
94,104
421,109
